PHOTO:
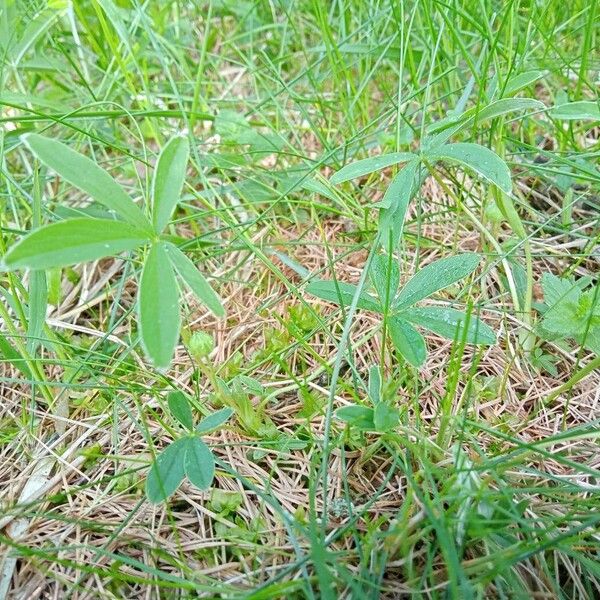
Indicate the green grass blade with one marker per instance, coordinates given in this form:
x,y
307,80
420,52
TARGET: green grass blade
x,y
9,353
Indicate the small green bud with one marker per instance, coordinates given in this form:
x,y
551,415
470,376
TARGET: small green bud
x,y
200,345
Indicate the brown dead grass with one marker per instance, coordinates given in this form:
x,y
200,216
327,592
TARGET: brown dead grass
x,y
101,512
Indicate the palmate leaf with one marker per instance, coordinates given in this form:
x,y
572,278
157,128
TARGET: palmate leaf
x,y
449,127
436,276
74,241
167,183
557,289
484,162
493,110
195,280
408,341
342,293
167,471
158,307
86,175
449,323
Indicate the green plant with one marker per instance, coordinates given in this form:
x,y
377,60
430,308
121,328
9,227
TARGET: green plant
x,y
381,418
571,310
187,455
84,239
435,149
397,303
237,394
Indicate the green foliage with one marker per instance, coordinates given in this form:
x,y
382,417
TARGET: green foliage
x,y
434,148
84,239
398,304
185,456
158,304
238,394
382,418
571,310
577,111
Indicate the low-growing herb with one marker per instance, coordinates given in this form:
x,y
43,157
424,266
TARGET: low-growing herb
x,y
398,303
187,455
126,228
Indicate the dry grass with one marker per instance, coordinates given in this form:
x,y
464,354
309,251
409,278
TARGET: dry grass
x,y
100,513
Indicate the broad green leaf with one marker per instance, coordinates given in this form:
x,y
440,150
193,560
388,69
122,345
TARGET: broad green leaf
x,y
396,191
577,111
563,319
518,82
591,339
166,472
385,417
436,276
342,293
505,106
498,108
231,126
199,464
395,204
358,416
374,384
74,241
195,280
9,352
480,159
385,275
408,341
158,306
86,175
558,289
215,420
369,165
449,323
180,408
167,184
570,312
